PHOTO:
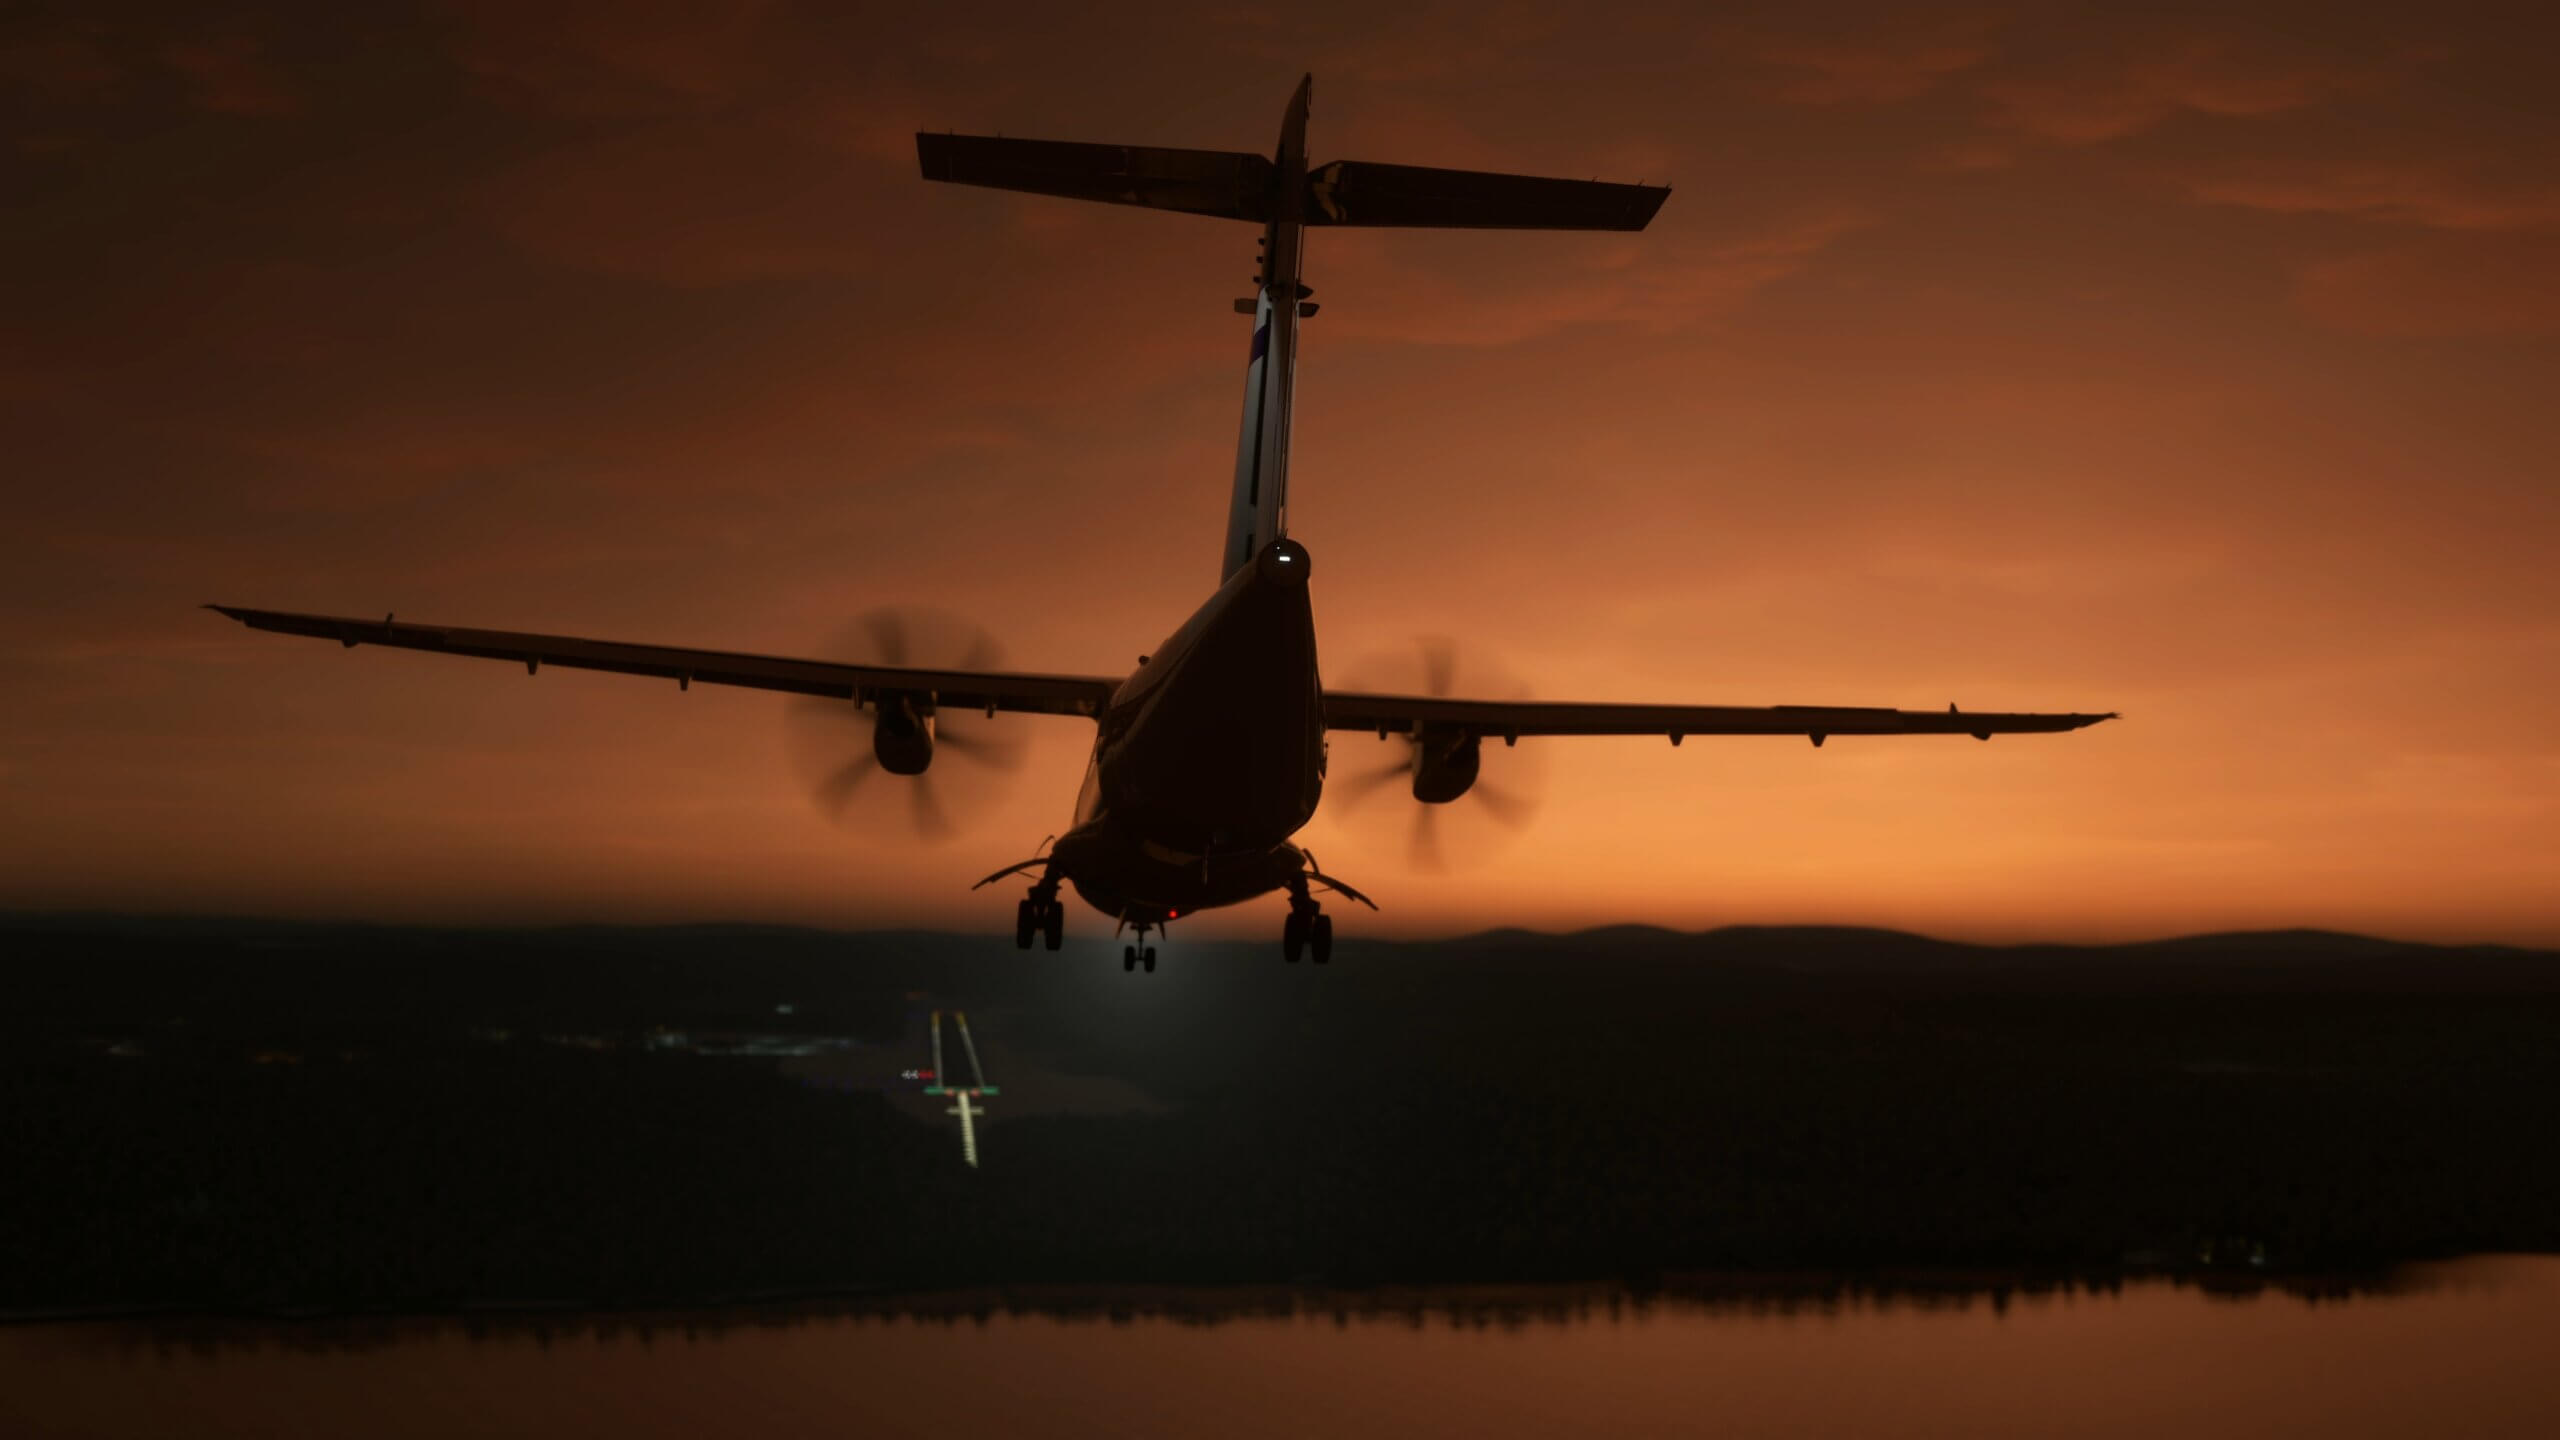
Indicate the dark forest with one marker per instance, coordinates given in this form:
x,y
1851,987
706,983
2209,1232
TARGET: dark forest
x,y
283,1117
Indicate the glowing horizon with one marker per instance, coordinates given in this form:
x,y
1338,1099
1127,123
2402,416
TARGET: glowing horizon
x,y
2194,369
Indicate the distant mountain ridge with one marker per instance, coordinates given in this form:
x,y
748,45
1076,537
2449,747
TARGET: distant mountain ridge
x,y
91,969
1509,936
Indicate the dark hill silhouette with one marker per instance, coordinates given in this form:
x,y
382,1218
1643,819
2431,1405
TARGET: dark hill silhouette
x,y
443,1115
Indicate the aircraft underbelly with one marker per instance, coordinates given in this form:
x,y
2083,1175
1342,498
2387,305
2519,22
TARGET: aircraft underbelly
x,y
1121,879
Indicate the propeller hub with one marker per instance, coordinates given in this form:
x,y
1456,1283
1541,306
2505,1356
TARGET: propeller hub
x,y
901,738
1464,804
899,752
1445,766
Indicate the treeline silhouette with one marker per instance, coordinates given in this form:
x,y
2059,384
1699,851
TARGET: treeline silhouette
x,y
426,1128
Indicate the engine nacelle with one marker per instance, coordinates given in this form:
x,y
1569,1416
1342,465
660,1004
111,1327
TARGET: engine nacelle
x,y
902,735
1444,765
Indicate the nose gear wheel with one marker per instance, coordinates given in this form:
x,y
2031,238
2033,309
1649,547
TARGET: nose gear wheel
x,y
1140,956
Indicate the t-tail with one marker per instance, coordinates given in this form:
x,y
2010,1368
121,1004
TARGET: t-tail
x,y
1284,194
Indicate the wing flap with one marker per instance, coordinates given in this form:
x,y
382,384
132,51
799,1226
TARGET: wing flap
x,y
1027,694
1397,714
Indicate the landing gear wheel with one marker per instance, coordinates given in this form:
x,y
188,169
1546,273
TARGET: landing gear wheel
x,y
1053,925
1147,959
1293,937
1128,957
1026,918
1320,938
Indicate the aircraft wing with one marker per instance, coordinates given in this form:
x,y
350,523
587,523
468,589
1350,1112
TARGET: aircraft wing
x,y
1404,714
956,689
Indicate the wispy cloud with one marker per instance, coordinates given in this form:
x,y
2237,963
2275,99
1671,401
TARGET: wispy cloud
x,y
2467,255
232,75
1658,285
1839,72
2398,194
705,204
616,59
2440,288
2114,97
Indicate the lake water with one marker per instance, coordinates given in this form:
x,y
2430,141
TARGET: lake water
x,y
2470,1349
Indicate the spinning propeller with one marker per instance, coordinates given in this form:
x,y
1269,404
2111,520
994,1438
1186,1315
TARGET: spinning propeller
x,y
1462,814
953,764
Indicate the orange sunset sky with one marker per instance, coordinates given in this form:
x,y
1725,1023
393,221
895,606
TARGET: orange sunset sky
x,y
2201,364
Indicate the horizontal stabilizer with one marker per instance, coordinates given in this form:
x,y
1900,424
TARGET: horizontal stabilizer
x,y
1227,183
1359,192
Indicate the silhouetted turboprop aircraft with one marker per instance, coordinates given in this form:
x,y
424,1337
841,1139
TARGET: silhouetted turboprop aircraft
x,y
1212,754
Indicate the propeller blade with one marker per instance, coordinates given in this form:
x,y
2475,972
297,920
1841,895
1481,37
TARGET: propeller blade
x,y
983,653
1509,807
813,710
1439,665
1422,848
837,789
831,741
996,754
925,809
1508,786
1351,789
888,635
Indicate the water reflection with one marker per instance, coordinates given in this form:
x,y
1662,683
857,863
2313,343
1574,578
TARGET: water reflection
x,y
2440,1349
1457,1307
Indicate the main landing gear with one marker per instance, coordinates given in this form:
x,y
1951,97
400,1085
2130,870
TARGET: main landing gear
x,y
1308,930
1043,914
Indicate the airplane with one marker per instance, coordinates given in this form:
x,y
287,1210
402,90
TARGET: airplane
x,y
1211,755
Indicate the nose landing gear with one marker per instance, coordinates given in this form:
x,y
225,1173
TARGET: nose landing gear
x,y
1141,956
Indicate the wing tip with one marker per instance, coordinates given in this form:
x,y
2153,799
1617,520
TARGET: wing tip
x,y
1650,203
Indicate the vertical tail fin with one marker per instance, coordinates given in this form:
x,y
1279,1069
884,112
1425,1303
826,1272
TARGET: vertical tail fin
x,y
1258,508
1285,196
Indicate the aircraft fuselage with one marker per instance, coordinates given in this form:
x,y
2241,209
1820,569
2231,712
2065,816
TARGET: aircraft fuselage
x,y
1209,757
